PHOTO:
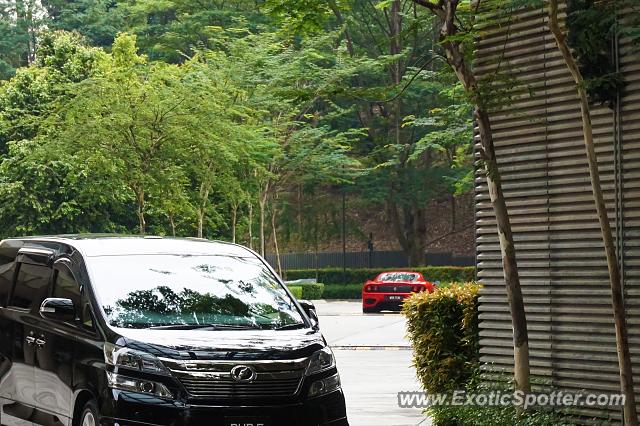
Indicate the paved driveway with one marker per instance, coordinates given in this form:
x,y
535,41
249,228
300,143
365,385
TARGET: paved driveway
x,y
374,360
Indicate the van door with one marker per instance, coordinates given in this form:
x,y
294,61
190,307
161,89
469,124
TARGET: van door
x,y
19,405
54,370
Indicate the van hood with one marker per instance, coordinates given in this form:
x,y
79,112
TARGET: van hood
x,y
223,344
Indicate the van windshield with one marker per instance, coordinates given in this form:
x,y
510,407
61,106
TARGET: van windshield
x,y
182,291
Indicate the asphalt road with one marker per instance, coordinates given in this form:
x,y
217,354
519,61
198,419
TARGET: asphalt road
x,y
374,361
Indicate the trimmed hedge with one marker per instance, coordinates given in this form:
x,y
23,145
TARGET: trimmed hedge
x,y
309,291
354,276
312,291
342,291
296,290
444,333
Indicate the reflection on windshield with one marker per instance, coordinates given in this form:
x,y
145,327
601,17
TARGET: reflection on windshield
x,y
398,276
145,291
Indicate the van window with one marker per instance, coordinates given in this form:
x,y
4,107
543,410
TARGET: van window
x,y
66,287
7,269
31,285
143,291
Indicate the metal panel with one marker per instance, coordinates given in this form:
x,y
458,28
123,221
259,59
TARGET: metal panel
x,y
562,263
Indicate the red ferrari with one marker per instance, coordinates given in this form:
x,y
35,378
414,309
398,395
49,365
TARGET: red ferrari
x,y
389,289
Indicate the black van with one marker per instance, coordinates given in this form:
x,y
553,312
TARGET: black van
x,y
111,330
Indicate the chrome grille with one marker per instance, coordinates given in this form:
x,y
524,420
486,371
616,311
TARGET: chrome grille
x,y
228,388
212,379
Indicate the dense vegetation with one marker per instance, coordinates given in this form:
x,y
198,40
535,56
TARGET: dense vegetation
x,y
242,120
439,274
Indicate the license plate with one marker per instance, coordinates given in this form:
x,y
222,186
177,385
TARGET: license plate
x,y
246,421
395,298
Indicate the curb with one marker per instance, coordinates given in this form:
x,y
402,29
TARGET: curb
x,y
370,348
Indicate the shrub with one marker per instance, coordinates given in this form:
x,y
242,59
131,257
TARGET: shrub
x,y
342,291
296,290
360,275
312,291
443,329
469,415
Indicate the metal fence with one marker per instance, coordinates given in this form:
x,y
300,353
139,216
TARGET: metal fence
x,y
364,259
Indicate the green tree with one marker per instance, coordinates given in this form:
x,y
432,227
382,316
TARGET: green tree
x,y
174,30
455,19
20,23
37,91
43,189
99,21
396,84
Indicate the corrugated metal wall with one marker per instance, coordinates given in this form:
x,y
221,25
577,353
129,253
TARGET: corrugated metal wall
x,y
546,180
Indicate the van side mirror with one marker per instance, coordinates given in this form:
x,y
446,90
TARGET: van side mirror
x,y
58,309
310,310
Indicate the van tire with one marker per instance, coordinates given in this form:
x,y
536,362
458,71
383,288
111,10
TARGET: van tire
x,y
89,416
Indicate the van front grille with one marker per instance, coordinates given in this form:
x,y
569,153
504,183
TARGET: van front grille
x,y
213,379
223,388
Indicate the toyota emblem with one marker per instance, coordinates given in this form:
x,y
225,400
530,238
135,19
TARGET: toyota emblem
x,y
243,374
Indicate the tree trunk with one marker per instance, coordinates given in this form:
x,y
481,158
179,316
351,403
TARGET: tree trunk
x,y
262,204
617,301
275,240
205,188
200,215
411,231
250,225
507,248
234,219
140,210
419,233
172,223
454,223
336,12
454,52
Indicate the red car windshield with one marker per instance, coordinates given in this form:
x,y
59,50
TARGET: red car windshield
x,y
398,277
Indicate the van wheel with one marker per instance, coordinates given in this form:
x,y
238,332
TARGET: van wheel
x,y
89,416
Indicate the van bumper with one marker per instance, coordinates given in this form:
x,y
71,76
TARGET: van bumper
x,y
132,409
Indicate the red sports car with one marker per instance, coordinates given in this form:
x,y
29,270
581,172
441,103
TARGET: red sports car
x,y
389,289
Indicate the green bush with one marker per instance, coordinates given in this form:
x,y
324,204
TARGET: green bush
x,y
312,291
469,415
359,276
296,290
443,329
342,291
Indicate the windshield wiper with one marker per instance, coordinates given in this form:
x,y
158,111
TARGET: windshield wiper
x,y
291,326
247,326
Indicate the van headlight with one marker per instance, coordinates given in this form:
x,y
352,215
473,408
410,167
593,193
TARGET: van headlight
x,y
324,386
321,361
132,384
133,360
